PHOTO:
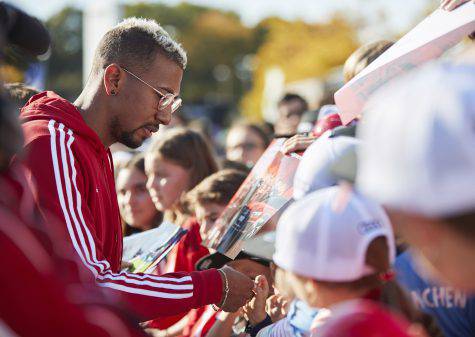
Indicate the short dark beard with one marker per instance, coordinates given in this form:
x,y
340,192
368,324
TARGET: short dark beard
x,y
123,137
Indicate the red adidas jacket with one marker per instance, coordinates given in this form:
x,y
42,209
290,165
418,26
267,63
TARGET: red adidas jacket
x,y
189,250
183,258
74,174
44,291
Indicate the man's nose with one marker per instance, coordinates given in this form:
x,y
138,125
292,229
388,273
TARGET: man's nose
x,y
164,116
133,198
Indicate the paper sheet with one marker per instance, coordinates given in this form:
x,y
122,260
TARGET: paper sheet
x,y
147,249
428,40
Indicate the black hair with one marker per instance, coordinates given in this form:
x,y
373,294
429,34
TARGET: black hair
x,y
289,97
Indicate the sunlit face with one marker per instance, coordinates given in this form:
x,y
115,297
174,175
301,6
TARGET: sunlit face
x,y
251,269
290,114
444,253
206,215
135,115
166,181
244,145
282,283
135,205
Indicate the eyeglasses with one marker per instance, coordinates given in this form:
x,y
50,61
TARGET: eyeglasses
x,y
165,100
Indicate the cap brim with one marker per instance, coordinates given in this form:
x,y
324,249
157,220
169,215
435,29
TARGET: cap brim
x,y
261,246
218,260
215,260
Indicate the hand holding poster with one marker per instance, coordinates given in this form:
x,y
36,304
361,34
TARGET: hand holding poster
x,y
267,189
145,250
428,40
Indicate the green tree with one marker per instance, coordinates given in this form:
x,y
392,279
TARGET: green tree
x,y
64,74
301,50
220,50
216,42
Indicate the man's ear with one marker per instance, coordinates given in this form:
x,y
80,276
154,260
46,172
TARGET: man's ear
x,y
113,79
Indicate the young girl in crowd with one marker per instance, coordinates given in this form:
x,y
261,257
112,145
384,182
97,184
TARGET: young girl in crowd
x,y
209,198
137,210
206,201
175,163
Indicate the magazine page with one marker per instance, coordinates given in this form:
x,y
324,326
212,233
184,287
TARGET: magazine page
x,y
145,250
428,40
266,190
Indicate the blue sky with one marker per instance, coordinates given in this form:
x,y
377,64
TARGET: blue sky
x,y
401,14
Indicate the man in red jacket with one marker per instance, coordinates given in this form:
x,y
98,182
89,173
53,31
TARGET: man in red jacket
x,y
132,89
44,290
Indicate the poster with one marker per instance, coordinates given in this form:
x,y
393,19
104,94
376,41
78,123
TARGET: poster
x,y
266,190
428,40
145,250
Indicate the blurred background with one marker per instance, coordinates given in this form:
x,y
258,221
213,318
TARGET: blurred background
x,y
243,55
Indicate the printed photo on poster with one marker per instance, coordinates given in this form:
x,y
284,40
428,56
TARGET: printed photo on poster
x,y
264,192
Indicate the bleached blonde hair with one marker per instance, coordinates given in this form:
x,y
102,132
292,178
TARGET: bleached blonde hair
x,y
134,43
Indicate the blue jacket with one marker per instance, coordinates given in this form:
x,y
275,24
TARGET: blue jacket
x,y
453,309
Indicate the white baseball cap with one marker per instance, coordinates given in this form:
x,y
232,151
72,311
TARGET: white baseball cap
x,y
327,109
325,235
315,168
419,134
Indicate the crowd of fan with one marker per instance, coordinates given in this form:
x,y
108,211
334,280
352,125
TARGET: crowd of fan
x,y
378,240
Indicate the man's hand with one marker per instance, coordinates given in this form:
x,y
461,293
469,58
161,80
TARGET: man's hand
x,y
240,289
125,265
449,5
297,143
255,310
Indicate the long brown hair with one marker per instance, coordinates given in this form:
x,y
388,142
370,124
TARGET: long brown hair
x,y
363,56
188,149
